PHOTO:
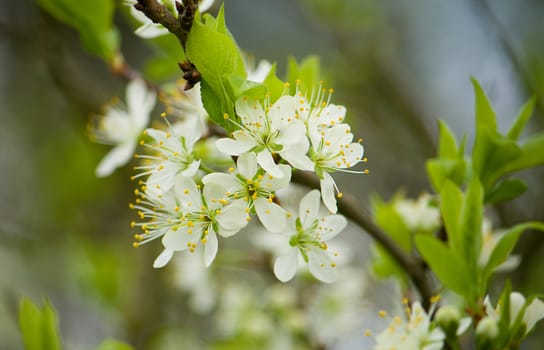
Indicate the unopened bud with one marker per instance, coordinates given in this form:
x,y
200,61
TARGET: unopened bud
x,y
486,332
448,318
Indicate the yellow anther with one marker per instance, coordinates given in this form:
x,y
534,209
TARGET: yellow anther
x,y
368,333
225,116
340,195
163,114
382,313
435,299
231,170
135,244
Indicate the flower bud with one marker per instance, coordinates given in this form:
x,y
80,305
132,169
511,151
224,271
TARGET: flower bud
x,y
448,318
486,331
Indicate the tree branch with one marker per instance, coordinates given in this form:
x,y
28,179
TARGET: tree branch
x,y
352,209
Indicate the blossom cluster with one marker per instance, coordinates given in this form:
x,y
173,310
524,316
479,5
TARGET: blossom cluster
x,y
189,199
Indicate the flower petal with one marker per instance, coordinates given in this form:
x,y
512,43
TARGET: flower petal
x,y
247,165
272,183
309,208
285,266
233,218
327,192
177,240
233,147
331,225
265,160
213,194
533,313
298,160
272,216
282,112
210,247
140,102
163,258
188,193
118,156
150,30
321,265
191,169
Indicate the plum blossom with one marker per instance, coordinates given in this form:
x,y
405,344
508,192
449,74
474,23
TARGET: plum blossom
x,y
121,127
269,130
171,155
307,235
528,311
415,333
419,214
207,213
255,190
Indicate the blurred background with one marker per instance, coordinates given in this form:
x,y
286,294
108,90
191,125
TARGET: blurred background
x,y
397,66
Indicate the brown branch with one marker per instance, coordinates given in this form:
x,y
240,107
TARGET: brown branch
x,y
352,209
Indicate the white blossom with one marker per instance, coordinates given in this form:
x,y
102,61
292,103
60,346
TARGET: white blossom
x,y
206,213
121,127
415,333
255,190
171,155
419,214
307,235
490,239
268,130
530,312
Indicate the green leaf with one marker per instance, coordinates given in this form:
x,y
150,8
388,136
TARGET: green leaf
x,y
439,170
447,145
449,267
306,74
389,220
212,104
523,116
506,190
384,266
39,328
451,202
213,51
485,116
471,224
110,344
506,244
532,154
160,68
275,86
92,19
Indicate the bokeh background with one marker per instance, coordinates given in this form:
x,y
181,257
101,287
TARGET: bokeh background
x,y
396,65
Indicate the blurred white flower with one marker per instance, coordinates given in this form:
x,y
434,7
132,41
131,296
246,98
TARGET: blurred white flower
x,y
258,74
490,239
121,127
529,312
307,235
420,214
415,333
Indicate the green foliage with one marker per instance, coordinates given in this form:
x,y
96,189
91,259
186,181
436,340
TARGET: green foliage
x,y
92,19
110,344
39,327
448,266
213,51
450,163
306,74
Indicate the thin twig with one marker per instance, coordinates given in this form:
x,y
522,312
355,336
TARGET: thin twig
x,y
352,209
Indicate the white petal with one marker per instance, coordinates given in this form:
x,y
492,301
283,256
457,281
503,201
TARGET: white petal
x,y
321,265
331,114
140,102
163,258
282,112
150,30
247,165
250,111
260,73
265,160
293,136
533,313
272,216
177,240
205,5
272,183
213,193
191,169
327,192
233,147
210,247
298,160
463,325
331,225
190,129
117,157
188,193
285,266
229,182
309,208
517,302
233,217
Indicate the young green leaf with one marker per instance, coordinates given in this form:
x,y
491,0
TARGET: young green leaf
x,y
505,191
451,203
484,113
532,154
307,74
523,117
507,243
448,266
447,145
110,344
471,223
39,328
275,86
